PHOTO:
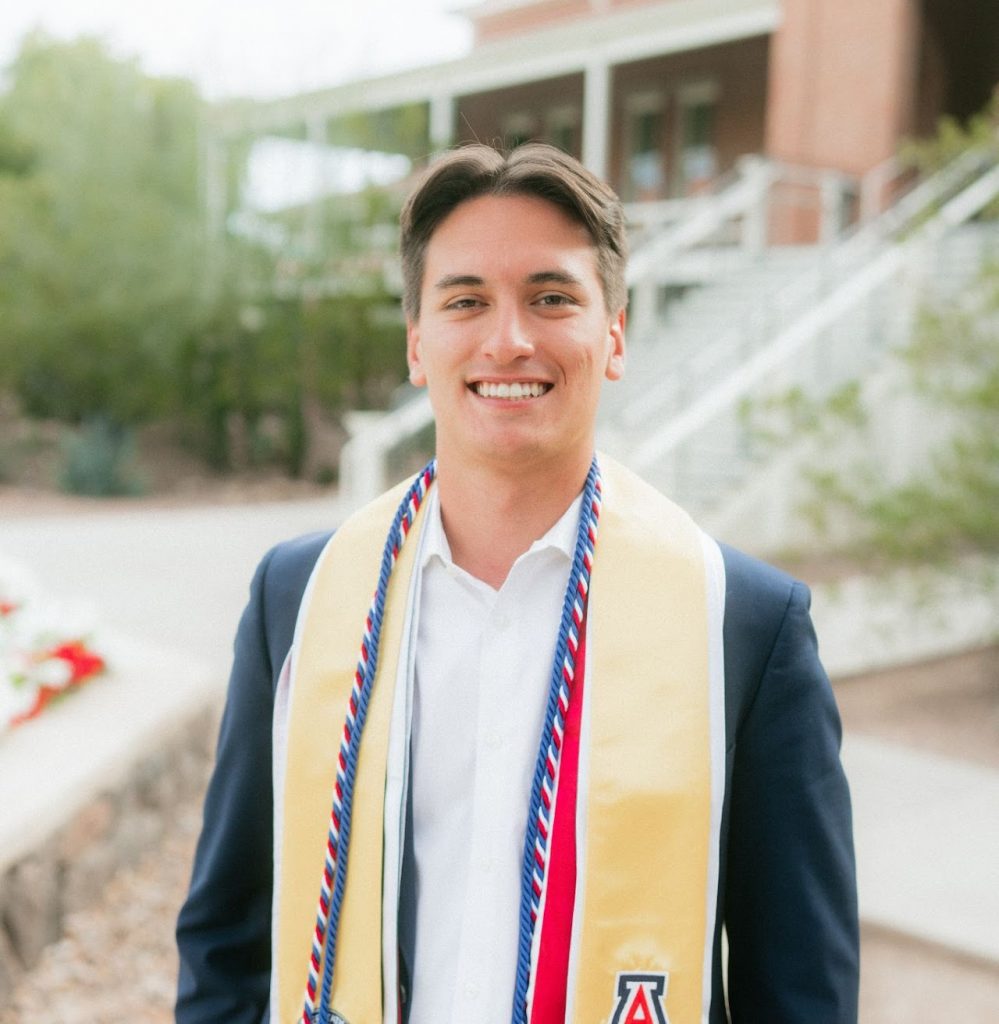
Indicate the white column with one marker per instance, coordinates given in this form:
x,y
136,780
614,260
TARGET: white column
x,y
596,116
831,190
441,121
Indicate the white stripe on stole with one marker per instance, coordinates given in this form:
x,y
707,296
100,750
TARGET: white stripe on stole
x,y
582,804
714,567
543,902
397,785
279,761
279,751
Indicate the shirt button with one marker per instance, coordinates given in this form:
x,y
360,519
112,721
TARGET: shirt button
x,y
502,621
471,989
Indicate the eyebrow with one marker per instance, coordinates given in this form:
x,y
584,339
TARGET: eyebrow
x,y
553,277
459,281
539,277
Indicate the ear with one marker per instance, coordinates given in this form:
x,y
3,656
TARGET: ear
x,y
615,355
413,355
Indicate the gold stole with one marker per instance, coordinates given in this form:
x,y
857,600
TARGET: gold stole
x,y
646,774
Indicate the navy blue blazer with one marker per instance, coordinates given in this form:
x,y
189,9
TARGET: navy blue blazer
x,y
787,891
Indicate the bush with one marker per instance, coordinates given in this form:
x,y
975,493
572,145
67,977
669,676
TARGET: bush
x,y
99,461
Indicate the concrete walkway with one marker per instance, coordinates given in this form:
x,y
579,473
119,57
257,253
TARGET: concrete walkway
x,y
927,828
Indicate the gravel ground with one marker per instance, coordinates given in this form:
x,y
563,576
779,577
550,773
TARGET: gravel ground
x,y
117,961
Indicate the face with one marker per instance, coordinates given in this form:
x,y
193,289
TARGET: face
x,y
514,339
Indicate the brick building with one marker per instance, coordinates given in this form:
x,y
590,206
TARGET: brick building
x,y
663,97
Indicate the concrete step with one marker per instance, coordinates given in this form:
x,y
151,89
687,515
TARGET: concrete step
x,y
927,836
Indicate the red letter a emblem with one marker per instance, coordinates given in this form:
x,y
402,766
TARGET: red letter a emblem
x,y
641,999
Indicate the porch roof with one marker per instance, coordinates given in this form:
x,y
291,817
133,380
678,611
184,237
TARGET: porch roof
x,y
617,37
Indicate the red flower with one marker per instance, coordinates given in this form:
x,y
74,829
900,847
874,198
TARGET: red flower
x,y
83,663
42,699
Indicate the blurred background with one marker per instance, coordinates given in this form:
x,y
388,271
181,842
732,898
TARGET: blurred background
x,y
202,352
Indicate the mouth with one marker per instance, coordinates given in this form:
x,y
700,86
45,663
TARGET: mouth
x,y
512,391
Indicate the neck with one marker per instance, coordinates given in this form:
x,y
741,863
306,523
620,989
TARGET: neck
x,y
493,515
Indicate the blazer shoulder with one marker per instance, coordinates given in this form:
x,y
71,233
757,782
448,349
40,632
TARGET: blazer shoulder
x,y
290,563
760,602
753,586
282,577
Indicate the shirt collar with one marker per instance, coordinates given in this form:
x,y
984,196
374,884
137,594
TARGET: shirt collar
x,y
561,537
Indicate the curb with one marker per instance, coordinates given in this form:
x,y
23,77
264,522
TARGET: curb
x,y
91,785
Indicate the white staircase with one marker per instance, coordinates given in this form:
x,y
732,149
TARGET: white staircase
x,y
682,424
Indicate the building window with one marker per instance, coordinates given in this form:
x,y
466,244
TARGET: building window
x,y
519,128
697,157
562,129
645,171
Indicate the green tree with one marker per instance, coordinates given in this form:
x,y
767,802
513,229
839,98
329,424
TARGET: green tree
x,y
100,231
298,333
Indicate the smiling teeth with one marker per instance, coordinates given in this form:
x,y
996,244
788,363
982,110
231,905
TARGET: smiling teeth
x,y
486,389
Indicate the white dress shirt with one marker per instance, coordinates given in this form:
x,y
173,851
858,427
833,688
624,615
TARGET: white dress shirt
x,y
482,668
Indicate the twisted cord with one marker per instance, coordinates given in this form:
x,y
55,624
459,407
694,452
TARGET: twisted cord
x,y
322,960
323,956
550,747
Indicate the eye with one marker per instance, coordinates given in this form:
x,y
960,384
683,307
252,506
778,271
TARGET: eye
x,y
555,299
463,302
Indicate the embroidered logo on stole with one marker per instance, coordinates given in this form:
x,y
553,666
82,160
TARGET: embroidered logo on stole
x,y
641,999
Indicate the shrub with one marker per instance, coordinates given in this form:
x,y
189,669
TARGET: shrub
x,y
99,461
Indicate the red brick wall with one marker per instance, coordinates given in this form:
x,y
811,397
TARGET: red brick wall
x,y
531,16
842,81
520,20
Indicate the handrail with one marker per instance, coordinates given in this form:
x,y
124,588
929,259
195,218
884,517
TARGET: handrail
x,y
839,261
741,197
362,458
792,339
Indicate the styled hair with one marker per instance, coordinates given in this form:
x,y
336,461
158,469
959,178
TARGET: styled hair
x,y
536,170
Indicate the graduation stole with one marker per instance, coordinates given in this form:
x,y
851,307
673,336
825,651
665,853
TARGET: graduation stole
x,y
617,916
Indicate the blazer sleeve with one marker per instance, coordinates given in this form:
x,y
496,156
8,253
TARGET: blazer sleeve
x,y
790,890
224,926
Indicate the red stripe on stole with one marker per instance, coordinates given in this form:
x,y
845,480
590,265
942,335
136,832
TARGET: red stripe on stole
x,y
556,923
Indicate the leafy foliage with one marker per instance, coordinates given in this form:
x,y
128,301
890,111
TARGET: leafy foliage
x,y
950,507
980,133
114,307
953,137
259,365
99,231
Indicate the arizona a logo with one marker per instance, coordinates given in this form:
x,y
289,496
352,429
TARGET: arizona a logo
x,y
641,999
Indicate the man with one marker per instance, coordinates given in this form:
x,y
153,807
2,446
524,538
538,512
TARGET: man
x,y
560,801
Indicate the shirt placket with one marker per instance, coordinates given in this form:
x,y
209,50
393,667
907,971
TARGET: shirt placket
x,y
481,994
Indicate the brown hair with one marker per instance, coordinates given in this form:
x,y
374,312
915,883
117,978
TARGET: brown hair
x,y
535,169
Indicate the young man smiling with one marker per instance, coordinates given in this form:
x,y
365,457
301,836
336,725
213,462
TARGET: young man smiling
x,y
513,338
592,738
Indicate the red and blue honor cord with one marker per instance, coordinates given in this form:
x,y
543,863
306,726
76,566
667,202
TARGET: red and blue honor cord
x,y
323,957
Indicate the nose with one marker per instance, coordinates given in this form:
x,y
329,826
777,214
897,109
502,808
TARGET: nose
x,y
507,338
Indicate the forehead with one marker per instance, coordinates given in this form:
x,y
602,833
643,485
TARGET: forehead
x,y
500,234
